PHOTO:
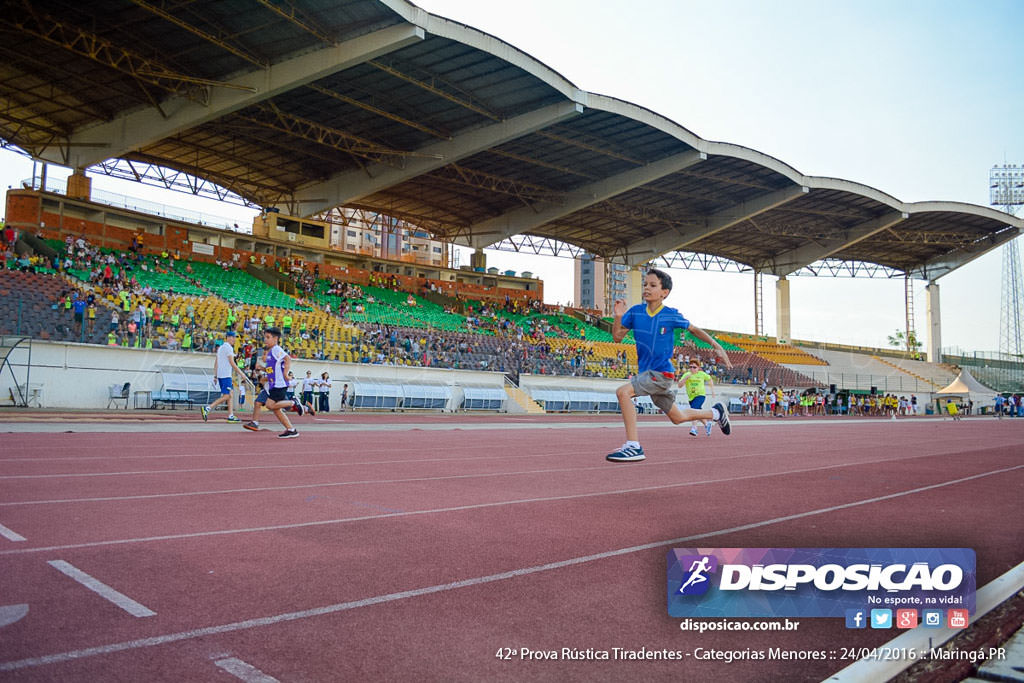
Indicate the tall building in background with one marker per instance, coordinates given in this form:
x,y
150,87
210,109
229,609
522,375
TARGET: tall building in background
x,y
375,234
597,283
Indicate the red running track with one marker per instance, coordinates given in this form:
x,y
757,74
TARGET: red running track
x,y
381,555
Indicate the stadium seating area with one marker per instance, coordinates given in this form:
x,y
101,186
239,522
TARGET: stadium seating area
x,y
167,281
753,368
465,350
862,371
936,375
392,307
29,307
688,339
237,286
192,302
783,354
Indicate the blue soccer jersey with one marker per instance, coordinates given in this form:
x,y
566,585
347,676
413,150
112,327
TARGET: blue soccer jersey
x,y
654,335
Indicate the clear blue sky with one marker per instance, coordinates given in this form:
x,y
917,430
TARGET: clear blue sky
x,y
918,99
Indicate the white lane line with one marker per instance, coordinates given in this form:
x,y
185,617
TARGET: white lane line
x,y
10,614
454,585
445,448
331,484
243,671
456,508
10,535
103,590
218,454
324,426
298,466
288,466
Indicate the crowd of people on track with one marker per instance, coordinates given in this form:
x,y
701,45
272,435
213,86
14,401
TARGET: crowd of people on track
x,y
779,402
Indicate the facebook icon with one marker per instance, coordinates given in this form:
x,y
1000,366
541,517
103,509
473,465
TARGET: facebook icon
x,y
856,618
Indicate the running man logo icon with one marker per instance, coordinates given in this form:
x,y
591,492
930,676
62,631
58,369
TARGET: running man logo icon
x,y
695,581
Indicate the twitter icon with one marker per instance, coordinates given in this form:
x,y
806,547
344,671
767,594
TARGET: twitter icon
x,y
881,618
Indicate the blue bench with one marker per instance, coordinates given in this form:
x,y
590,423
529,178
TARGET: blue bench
x,y
484,398
172,397
185,385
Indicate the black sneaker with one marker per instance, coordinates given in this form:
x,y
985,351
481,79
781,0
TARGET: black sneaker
x,y
288,434
723,418
299,408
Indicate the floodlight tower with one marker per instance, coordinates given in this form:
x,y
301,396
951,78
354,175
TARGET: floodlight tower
x,y
1006,189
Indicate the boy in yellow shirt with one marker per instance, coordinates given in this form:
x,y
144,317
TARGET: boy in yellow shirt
x,y
695,381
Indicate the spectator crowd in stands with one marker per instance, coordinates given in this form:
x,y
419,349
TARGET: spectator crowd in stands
x,y
512,336
383,344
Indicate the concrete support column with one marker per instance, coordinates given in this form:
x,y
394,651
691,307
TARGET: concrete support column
x,y
934,323
758,303
79,185
782,327
478,259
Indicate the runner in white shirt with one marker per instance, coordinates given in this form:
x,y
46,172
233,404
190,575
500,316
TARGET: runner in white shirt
x,y
223,368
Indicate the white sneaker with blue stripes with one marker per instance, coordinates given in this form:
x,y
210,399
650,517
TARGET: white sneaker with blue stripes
x,y
723,418
627,454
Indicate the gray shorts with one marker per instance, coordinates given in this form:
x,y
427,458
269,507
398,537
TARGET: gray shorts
x,y
660,388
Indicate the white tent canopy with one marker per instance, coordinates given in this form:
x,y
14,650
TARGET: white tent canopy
x,y
965,385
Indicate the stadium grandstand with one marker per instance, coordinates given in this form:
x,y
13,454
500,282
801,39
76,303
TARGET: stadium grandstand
x,y
371,138
488,145
147,297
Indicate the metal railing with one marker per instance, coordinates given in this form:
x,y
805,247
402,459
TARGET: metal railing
x,y
241,223
999,371
886,384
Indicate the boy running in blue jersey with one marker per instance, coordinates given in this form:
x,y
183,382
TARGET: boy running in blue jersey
x,y
653,323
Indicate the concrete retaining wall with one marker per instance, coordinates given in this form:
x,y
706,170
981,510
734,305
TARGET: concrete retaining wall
x,y
79,375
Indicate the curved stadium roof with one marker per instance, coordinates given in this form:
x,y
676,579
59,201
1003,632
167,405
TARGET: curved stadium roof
x,y
380,105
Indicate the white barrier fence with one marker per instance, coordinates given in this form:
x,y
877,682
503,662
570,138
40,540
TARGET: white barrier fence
x,y
79,376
